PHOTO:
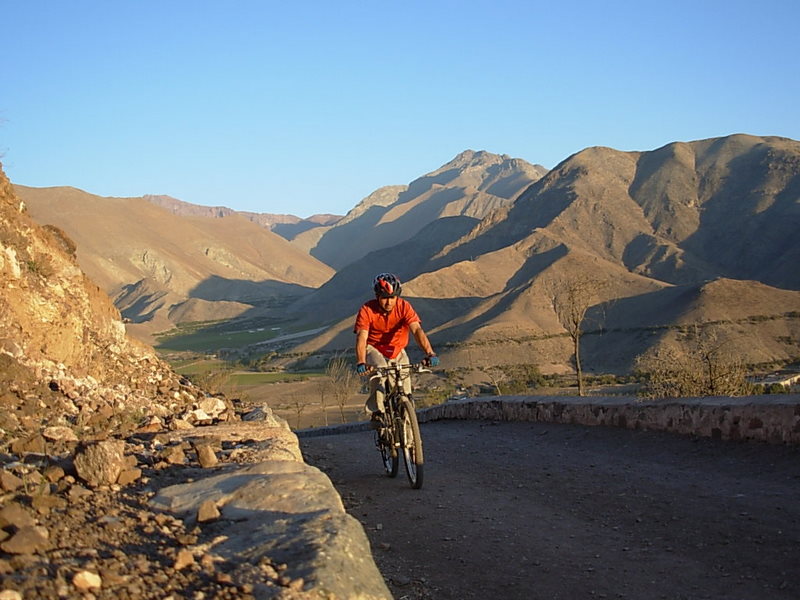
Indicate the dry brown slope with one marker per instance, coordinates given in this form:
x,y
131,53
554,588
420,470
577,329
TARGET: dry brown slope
x,y
287,226
125,241
686,212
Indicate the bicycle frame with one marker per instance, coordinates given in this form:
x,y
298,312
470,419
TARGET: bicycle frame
x,y
400,430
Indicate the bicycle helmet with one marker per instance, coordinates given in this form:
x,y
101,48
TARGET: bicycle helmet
x,y
386,285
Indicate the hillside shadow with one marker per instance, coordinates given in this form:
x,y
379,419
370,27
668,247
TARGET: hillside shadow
x,y
536,208
343,245
138,305
342,236
747,233
216,288
351,285
433,312
615,332
231,314
424,184
517,285
289,231
618,331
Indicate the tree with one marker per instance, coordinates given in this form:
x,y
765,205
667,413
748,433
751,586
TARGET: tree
x,y
571,298
298,405
323,387
701,364
342,381
495,374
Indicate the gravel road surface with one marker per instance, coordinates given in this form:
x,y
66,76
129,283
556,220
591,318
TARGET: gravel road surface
x,y
543,511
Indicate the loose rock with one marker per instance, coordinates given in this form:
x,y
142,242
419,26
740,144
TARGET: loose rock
x,y
27,540
86,580
100,463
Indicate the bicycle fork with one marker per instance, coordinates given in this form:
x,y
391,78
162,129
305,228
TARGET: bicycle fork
x,y
398,432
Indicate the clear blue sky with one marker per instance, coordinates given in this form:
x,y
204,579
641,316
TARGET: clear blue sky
x,y
306,107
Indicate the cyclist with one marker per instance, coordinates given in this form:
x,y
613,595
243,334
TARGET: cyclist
x,y
381,329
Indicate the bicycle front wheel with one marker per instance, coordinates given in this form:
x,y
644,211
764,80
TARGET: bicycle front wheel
x,y
384,440
411,442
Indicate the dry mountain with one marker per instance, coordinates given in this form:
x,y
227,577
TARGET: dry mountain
x,y
400,228
66,363
164,269
472,185
692,232
287,226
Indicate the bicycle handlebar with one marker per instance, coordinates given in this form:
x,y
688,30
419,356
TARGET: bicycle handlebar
x,y
419,367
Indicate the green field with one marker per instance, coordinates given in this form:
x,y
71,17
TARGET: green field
x,y
211,336
196,366
208,337
226,374
241,379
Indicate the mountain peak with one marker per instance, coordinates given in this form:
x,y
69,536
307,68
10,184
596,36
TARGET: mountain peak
x,y
475,158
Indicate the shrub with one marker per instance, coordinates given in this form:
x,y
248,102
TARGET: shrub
x,y
41,266
61,239
700,366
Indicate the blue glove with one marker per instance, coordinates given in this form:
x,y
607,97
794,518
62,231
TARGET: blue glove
x,y
432,361
361,368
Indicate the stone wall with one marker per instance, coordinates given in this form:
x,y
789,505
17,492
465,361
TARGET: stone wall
x,y
769,418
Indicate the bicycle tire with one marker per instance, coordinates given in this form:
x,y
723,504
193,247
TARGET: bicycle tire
x,y
411,442
389,455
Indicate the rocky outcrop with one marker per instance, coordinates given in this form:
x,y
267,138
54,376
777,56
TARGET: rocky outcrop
x,y
66,362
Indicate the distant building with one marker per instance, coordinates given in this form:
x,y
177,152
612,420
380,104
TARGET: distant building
x,y
787,379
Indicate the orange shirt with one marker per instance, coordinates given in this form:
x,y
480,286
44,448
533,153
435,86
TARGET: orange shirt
x,y
388,332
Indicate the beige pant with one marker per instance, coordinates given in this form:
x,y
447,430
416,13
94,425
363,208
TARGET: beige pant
x,y
376,382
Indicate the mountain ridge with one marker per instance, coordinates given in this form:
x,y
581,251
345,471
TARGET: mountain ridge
x,y
478,263
152,260
621,217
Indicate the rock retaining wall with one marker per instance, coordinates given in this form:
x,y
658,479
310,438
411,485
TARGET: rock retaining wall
x,y
274,509
770,418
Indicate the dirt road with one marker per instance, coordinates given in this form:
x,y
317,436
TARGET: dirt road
x,y
541,511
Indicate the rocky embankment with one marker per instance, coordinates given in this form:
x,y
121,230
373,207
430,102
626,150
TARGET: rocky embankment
x,y
120,479
223,510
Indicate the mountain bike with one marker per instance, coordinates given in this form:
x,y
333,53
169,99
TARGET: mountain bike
x,y
399,430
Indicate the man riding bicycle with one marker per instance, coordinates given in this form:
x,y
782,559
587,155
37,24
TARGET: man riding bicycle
x,y
381,329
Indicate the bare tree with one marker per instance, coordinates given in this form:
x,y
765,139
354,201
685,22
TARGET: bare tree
x,y
700,365
214,381
342,381
299,406
324,387
495,375
571,298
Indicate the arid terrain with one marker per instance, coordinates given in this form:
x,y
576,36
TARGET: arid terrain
x,y
692,235
525,511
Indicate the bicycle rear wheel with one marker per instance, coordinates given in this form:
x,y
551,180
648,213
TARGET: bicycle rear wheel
x,y
411,443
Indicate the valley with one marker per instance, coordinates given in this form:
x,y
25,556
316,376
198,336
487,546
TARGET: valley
x,y
690,239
